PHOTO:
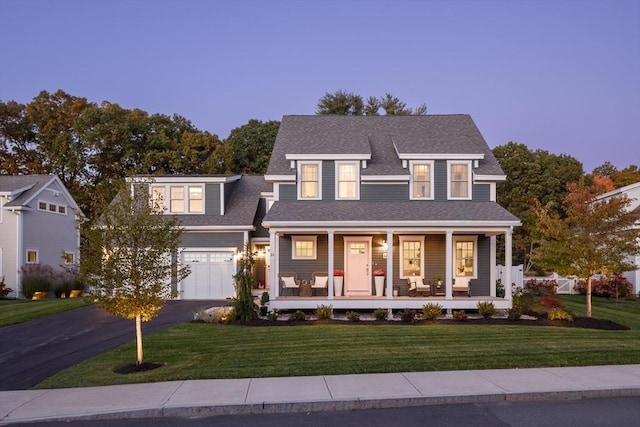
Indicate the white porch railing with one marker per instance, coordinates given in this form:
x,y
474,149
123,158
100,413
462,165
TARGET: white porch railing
x,y
565,284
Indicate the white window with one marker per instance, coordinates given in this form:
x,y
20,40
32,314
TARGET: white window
x,y
69,258
347,179
195,199
32,256
422,181
459,181
158,196
411,256
309,179
51,207
176,204
465,258
42,206
304,247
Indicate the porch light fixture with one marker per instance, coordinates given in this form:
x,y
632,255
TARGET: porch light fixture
x,y
385,248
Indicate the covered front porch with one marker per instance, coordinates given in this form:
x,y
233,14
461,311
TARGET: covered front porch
x,y
381,268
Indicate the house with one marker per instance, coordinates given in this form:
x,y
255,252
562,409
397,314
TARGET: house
x,y
38,225
632,192
410,197
219,214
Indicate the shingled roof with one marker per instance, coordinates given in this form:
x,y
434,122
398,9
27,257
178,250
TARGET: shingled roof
x,y
381,140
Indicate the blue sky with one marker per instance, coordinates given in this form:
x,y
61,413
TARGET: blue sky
x,y
558,75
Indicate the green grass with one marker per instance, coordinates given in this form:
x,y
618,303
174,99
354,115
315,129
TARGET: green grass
x,y
22,310
200,351
622,311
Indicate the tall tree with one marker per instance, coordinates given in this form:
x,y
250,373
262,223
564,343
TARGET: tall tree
x,y
130,259
251,145
532,175
595,236
17,149
350,104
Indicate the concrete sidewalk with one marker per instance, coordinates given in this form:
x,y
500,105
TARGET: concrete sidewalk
x,y
322,393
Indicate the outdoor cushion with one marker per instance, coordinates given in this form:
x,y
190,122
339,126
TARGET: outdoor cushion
x,y
289,282
321,282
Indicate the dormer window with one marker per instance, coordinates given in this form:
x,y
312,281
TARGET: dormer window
x,y
182,198
459,180
309,179
347,179
422,181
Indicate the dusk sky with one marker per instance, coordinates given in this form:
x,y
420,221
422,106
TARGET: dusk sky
x,y
558,75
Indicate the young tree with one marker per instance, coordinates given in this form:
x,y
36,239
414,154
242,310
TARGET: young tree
x,y
596,235
130,258
244,308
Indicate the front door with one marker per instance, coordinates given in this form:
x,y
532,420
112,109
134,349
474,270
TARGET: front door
x,y
357,280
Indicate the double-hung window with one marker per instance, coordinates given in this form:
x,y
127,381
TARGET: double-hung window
x,y
195,199
309,179
459,180
411,256
422,181
182,198
465,257
347,177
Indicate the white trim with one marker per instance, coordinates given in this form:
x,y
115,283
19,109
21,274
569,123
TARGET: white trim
x,y
410,238
440,156
305,157
485,226
219,228
304,238
72,253
318,164
385,178
462,238
491,178
356,165
429,163
70,200
469,179
56,206
183,179
346,240
286,178
221,200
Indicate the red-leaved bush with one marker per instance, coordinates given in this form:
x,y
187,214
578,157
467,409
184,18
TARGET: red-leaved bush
x,y
618,285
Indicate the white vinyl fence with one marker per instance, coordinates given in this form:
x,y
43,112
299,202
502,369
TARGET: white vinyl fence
x,y
518,279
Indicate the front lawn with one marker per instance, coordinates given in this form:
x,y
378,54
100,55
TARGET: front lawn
x,y
199,351
22,310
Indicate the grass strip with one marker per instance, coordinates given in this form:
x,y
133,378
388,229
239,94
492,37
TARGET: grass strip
x,y
22,310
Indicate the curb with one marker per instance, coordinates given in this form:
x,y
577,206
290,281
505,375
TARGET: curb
x,y
335,405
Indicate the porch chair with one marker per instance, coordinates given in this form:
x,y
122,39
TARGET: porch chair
x,y
319,281
461,284
289,281
417,286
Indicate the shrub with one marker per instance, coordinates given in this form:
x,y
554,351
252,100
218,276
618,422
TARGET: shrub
x,y
486,309
298,316
559,314
618,285
37,278
380,313
549,302
272,315
522,300
514,314
352,316
4,291
408,315
460,315
544,287
499,289
324,312
264,299
431,311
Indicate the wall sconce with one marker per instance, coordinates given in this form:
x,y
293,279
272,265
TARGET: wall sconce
x,y
261,253
385,248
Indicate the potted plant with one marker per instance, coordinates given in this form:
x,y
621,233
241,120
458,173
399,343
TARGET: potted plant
x,y
338,281
264,300
378,278
438,281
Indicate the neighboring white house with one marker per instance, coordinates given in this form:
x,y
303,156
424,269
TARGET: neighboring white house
x,y
38,225
633,193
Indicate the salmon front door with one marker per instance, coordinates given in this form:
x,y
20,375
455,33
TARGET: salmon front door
x,y
357,280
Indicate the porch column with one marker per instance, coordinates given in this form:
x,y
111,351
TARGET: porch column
x,y
449,265
330,292
274,283
389,264
507,262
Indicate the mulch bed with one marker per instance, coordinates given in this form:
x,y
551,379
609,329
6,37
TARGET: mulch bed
x,y
579,322
133,368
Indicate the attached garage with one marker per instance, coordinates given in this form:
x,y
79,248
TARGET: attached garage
x,y
211,275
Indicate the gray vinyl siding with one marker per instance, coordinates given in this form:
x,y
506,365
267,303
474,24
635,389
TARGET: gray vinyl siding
x,y
212,198
440,180
481,285
328,180
212,240
260,231
288,192
9,243
481,192
435,258
384,192
228,190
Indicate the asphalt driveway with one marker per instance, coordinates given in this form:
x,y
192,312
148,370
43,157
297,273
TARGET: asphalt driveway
x,y
33,351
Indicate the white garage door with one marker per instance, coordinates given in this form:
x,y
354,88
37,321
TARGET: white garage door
x,y
211,275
